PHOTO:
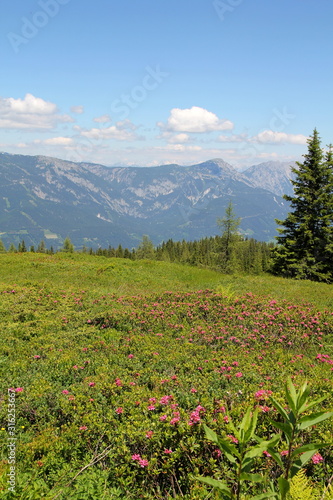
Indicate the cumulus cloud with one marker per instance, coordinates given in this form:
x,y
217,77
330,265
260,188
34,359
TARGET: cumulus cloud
x,y
271,137
178,138
180,147
102,119
77,109
121,131
195,119
57,141
29,113
233,138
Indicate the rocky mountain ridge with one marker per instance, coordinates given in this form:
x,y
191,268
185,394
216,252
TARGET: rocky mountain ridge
x,y
48,198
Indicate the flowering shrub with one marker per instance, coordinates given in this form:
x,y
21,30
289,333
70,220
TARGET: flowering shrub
x,y
103,377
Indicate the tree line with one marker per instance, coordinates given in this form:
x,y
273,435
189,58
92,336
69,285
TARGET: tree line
x,y
304,248
226,253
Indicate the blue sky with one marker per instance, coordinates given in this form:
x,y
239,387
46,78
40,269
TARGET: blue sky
x,y
151,82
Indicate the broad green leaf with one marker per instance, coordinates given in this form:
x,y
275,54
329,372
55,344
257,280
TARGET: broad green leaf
x,y
210,434
307,406
284,427
257,450
298,464
302,398
216,484
313,419
257,478
309,447
275,457
263,496
284,486
229,450
291,395
249,433
279,408
246,421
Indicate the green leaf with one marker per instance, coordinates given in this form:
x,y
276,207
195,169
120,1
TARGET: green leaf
x,y
313,419
275,457
302,397
216,484
291,395
307,406
210,434
249,432
284,486
262,496
284,427
298,464
309,447
229,450
257,478
279,408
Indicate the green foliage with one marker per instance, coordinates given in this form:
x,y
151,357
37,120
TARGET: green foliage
x,y
301,488
93,342
229,225
146,249
68,246
305,248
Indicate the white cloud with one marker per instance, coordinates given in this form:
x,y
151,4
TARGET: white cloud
x,y
77,109
58,141
233,138
102,119
271,137
121,131
29,113
178,138
182,147
195,119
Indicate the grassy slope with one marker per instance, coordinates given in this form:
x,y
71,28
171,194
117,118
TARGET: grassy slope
x,y
49,318
122,276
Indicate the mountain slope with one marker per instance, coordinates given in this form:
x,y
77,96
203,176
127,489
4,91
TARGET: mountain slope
x,y
273,175
48,198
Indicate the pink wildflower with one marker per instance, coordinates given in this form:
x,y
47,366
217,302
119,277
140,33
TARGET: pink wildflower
x,y
120,410
317,458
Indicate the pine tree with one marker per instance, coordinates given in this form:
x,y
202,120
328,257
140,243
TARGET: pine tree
x,y
2,247
145,249
230,237
41,247
305,249
68,246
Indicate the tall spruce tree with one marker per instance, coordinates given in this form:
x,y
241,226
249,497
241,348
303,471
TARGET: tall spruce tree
x,y
230,238
305,249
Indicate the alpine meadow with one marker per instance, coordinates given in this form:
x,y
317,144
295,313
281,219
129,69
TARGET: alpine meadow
x,y
166,250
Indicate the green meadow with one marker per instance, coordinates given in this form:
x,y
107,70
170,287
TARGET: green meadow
x,y
113,367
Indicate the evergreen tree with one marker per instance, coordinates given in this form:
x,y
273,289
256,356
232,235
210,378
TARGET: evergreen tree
x,y
305,249
41,247
145,249
230,237
68,246
2,247
12,248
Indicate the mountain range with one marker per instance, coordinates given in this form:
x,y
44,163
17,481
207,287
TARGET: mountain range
x,y
95,205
